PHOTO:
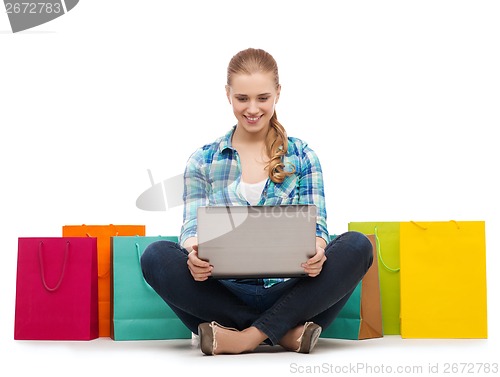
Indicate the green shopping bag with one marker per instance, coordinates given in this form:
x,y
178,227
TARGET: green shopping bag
x,y
137,312
387,239
361,316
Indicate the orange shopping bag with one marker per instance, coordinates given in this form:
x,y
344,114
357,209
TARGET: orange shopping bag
x,y
103,233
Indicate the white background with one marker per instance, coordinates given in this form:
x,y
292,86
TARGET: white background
x,y
400,99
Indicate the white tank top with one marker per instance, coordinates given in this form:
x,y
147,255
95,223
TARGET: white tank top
x,y
252,191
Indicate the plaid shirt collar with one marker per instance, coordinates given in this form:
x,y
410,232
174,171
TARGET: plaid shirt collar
x,y
226,140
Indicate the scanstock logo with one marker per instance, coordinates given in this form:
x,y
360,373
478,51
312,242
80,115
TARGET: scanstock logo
x,y
28,14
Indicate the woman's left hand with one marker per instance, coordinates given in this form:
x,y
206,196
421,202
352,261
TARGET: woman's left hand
x,y
314,265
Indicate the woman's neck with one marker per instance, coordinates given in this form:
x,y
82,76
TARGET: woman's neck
x,y
241,136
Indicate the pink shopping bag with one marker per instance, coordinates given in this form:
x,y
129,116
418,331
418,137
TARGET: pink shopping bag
x,y
56,289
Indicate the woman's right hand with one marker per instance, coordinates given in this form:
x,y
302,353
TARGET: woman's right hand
x,y
200,270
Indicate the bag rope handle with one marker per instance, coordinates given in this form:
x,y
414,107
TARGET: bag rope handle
x,y
138,249
379,253
108,272
42,270
425,228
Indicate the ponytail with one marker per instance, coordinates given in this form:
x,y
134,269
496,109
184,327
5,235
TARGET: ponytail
x,y
277,147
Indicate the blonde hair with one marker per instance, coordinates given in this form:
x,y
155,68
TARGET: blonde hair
x,y
256,60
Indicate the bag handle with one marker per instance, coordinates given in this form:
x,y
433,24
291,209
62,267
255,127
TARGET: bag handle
x,y
379,253
89,235
108,272
138,249
42,270
425,228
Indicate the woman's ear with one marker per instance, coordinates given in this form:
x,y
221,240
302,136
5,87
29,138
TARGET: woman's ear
x,y
278,91
228,94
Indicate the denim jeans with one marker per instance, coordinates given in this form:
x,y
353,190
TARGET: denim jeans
x,y
273,310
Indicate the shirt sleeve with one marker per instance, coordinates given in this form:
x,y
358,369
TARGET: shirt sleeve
x,y
312,190
195,195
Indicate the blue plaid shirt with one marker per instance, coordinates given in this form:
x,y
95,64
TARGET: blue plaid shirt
x,y
212,178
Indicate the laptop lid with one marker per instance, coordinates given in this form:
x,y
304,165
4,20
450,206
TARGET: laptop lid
x,y
257,241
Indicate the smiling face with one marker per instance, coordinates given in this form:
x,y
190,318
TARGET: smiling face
x,y
253,98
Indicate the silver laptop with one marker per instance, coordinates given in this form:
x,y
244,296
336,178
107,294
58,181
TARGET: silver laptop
x,y
257,241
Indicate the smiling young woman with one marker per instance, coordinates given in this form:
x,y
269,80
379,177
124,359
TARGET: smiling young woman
x,y
253,90
255,163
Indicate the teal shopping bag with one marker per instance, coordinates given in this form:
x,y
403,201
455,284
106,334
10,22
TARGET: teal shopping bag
x,y
348,321
361,316
137,311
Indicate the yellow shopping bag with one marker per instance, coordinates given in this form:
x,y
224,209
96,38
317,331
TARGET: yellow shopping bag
x,y
443,279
